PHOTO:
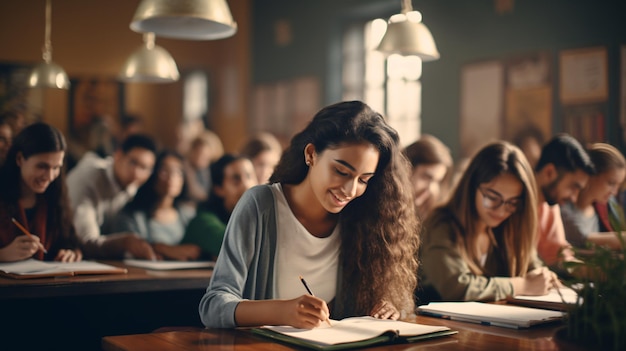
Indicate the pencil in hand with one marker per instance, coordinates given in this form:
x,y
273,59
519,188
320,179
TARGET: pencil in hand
x,y
306,286
29,234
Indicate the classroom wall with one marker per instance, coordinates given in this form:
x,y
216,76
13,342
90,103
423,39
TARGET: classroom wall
x,y
465,32
92,39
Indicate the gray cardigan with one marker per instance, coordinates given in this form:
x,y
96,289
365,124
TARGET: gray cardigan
x,y
245,266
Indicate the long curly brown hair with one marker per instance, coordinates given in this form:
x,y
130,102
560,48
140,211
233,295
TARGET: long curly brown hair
x,y
380,229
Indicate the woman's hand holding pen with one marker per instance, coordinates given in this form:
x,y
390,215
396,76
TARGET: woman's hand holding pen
x,y
21,248
537,282
306,312
385,310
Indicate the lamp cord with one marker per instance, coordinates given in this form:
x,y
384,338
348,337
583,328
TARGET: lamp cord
x,y
406,6
47,48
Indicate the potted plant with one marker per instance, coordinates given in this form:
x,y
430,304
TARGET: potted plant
x,y
598,320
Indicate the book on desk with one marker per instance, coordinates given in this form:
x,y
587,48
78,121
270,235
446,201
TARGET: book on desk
x,y
558,299
168,265
499,315
354,332
32,268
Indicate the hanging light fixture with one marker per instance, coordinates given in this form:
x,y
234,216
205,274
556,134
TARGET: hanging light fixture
x,y
48,74
407,35
185,19
150,64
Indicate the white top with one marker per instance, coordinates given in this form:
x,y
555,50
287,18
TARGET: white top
x,y
95,197
300,253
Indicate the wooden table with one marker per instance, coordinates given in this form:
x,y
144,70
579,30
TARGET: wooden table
x,y
137,280
76,312
470,337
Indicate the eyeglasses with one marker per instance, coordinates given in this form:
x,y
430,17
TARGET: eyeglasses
x,y
492,200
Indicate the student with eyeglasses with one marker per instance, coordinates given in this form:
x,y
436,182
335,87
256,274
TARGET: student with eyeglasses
x,y
479,246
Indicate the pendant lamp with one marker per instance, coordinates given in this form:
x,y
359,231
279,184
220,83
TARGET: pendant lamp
x,y
185,19
150,64
48,74
407,35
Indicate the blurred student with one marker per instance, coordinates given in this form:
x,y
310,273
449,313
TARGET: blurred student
x,y
335,213
157,212
232,176
480,244
431,164
32,191
562,171
99,188
203,149
530,140
595,216
264,150
6,137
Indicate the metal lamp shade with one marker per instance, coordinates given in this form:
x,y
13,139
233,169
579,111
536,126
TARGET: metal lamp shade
x,y
48,75
185,19
409,38
150,65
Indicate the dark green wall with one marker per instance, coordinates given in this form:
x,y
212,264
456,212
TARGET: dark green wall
x,y
464,30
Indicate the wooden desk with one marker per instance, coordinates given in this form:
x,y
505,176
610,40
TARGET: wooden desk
x,y
137,280
470,337
76,312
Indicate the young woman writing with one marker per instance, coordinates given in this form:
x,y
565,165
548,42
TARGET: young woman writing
x,y
335,212
157,212
33,196
596,216
480,244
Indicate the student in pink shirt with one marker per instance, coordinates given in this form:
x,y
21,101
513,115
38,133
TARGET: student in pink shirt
x,y
562,171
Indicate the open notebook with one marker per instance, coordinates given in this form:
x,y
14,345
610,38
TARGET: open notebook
x,y
490,314
32,268
355,332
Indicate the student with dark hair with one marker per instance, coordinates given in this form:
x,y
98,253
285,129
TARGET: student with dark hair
x,y
157,212
33,193
480,244
431,164
99,188
232,176
264,150
562,171
6,137
595,216
335,212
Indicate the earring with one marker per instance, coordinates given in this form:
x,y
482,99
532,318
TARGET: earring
x,y
308,163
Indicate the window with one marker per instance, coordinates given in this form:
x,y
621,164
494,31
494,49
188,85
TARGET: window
x,y
389,85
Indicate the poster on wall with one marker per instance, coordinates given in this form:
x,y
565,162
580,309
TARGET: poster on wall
x,y
584,76
481,105
528,97
95,108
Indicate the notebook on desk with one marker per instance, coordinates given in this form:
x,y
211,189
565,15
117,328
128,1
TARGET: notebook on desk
x,y
491,314
168,265
556,299
32,268
355,332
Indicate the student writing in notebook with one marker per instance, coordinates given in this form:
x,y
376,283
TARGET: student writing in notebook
x,y
480,244
595,216
157,212
32,192
337,212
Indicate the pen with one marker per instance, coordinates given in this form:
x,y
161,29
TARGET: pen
x,y
306,286
29,234
555,282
